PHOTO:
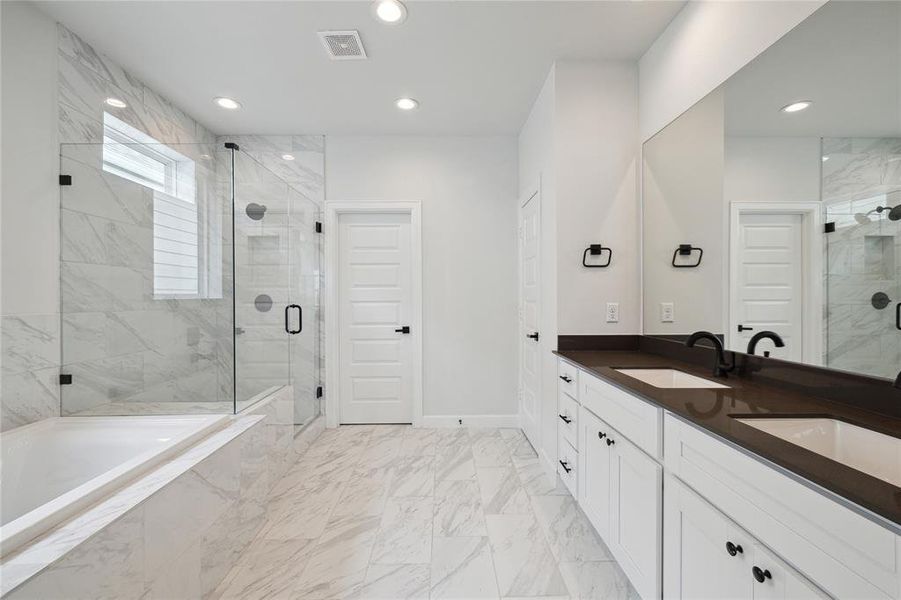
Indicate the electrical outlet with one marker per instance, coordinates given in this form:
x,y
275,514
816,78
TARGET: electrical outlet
x,y
613,312
667,312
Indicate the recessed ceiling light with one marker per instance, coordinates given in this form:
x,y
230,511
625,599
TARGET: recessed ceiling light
x,y
797,106
227,103
287,157
115,102
406,103
390,11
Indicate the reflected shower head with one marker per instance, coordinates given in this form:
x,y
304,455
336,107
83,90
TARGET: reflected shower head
x,y
894,214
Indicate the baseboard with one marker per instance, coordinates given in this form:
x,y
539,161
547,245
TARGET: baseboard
x,y
437,421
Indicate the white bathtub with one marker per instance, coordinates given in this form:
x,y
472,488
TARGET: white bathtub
x,y
55,468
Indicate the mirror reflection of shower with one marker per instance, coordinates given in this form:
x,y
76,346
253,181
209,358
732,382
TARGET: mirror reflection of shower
x,y
894,214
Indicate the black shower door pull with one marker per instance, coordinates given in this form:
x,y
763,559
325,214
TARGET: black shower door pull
x,y
898,316
299,319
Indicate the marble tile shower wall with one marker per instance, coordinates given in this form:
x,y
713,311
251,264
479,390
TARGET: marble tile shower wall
x,y
280,256
120,345
862,258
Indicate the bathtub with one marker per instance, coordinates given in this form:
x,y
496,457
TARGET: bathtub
x,y
55,468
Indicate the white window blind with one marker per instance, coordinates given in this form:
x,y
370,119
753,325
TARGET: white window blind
x,y
133,155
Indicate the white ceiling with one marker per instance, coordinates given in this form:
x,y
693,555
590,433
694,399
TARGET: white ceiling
x,y
846,58
476,67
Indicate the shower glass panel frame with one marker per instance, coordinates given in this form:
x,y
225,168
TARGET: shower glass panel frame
x,y
161,270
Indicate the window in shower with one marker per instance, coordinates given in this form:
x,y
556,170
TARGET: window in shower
x,y
177,232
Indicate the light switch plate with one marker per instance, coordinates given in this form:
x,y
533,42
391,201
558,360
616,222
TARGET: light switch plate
x,y
613,312
667,312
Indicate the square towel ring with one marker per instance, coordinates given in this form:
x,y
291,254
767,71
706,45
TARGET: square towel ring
x,y
596,250
686,250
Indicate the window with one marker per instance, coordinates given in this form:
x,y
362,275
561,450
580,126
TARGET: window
x,y
133,155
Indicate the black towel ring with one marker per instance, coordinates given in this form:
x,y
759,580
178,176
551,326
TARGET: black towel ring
x,y
596,250
686,250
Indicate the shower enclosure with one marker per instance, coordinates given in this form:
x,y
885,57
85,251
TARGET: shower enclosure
x,y
189,280
861,185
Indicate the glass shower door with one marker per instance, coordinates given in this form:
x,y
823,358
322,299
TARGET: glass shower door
x,y
264,315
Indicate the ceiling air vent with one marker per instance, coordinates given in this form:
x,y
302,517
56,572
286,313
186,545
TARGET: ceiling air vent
x,y
343,45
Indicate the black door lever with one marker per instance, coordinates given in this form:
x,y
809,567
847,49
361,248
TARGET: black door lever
x,y
404,329
533,336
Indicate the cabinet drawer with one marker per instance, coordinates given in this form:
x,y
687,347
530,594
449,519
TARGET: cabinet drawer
x,y
568,466
634,418
568,378
568,418
838,549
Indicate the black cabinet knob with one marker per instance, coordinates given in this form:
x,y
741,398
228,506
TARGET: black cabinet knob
x,y
566,419
761,575
533,336
732,549
610,442
601,435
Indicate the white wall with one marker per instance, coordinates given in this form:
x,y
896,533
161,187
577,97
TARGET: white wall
x,y
467,186
772,169
703,46
29,256
597,190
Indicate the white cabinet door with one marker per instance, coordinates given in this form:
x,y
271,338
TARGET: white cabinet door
x,y
636,486
697,563
779,581
595,497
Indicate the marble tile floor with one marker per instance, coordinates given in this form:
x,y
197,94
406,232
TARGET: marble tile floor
x,y
393,512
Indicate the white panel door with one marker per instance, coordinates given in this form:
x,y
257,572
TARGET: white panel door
x,y
530,282
770,284
374,305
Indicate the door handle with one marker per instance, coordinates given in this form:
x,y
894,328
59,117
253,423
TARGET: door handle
x,y
533,336
299,319
743,328
404,329
898,316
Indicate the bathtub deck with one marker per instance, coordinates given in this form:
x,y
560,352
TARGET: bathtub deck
x,y
396,512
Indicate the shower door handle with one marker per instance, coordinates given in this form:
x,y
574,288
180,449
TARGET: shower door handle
x,y
299,319
898,316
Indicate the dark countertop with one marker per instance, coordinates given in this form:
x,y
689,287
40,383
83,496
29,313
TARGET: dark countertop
x,y
712,409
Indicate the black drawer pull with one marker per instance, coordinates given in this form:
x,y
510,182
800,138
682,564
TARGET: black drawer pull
x,y
732,549
565,468
610,442
566,379
761,575
566,419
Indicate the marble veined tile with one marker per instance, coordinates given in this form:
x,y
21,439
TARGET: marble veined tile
x,y
536,481
522,558
405,533
29,342
502,492
458,509
413,476
454,461
462,568
337,567
597,579
28,397
73,46
394,582
302,511
268,569
569,533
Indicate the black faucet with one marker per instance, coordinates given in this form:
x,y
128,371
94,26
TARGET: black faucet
x,y
720,368
772,335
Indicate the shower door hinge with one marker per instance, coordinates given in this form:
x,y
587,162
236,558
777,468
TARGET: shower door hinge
x,y
830,227
65,379
65,180
319,391
231,146
318,227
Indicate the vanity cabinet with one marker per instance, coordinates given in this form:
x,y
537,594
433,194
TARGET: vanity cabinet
x,y
707,556
621,494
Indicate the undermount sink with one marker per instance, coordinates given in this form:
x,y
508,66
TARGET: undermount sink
x,y
862,449
670,378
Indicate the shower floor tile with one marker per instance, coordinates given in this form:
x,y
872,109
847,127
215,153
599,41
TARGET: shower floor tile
x,y
417,513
